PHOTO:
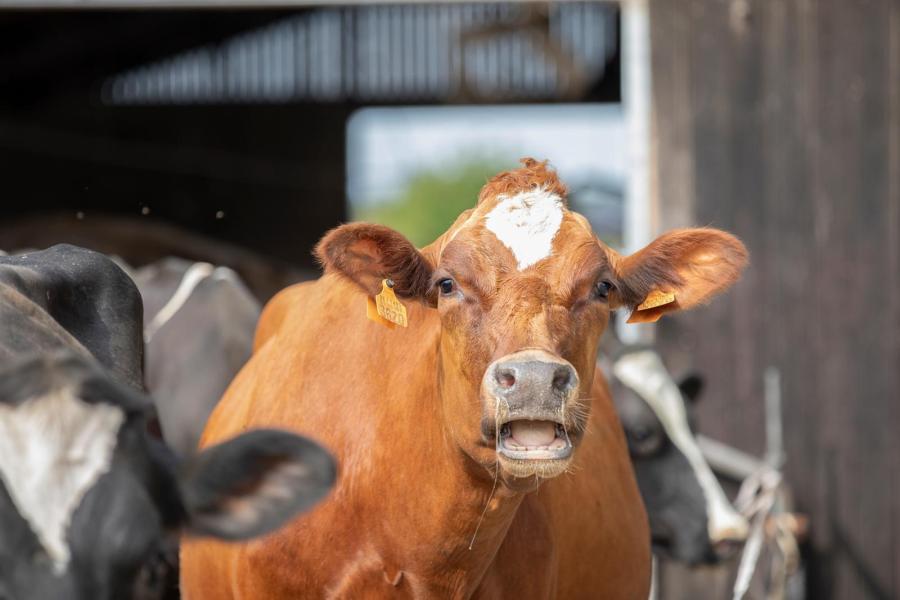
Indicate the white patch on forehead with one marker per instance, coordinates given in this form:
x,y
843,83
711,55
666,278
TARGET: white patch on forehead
x,y
526,224
645,373
53,449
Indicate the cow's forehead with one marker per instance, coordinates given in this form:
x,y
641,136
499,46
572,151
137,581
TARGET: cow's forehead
x,y
527,223
53,449
531,225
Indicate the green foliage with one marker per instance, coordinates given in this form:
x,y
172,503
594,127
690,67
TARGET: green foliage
x,y
432,200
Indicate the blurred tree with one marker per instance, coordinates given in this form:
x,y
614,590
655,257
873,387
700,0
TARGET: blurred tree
x,y
433,198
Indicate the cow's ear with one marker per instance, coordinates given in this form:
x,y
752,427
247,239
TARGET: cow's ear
x,y
253,484
366,254
691,386
676,271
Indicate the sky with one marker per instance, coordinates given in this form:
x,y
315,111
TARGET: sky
x,y
387,145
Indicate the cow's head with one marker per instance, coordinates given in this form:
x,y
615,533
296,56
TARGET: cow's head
x,y
91,504
524,290
691,519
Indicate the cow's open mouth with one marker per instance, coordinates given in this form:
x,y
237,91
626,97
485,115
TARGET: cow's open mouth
x,y
525,439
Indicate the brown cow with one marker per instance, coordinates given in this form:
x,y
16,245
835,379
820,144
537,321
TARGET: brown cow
x,y
481,456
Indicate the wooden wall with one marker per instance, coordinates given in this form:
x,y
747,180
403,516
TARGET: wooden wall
x,y
780,120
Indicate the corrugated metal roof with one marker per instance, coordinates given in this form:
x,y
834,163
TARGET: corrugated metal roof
x,y
392,53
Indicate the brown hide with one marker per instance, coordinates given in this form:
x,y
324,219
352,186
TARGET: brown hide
x,y
405,500
421,508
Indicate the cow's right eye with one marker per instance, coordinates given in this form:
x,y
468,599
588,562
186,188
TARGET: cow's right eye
x,y
446,286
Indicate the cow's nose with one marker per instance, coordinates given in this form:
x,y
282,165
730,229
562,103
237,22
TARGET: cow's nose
x,y
532,376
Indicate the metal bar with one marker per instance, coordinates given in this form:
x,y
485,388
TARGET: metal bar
x,y
725,460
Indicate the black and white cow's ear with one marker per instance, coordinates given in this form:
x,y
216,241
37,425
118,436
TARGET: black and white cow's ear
x,y
366,254
691,387
253,484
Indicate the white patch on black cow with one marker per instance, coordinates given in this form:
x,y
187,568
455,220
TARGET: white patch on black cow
x,y
53,449
526,224
191,279
645,373
196,274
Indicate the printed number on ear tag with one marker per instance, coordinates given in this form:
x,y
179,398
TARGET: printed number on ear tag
x,y
372,313
388,307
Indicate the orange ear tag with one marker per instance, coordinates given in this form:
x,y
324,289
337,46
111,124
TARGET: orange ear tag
x,y
388,307
654,299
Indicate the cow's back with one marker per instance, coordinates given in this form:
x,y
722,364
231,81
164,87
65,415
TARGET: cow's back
x,y
294,341
199,325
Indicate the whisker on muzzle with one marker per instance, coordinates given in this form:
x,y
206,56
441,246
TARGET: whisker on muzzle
x,y
580,410
496,471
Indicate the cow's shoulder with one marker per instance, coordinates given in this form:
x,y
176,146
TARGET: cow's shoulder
x,y
288,305
89,296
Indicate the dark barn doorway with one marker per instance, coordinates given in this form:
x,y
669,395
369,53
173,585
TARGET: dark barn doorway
x,y
220,135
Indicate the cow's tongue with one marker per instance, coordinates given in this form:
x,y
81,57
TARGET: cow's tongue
x,y
532,433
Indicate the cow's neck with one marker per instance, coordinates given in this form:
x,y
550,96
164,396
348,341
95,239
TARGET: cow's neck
x,y
461,512
474,517
480,513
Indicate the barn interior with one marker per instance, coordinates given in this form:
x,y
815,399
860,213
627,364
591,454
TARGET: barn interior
x,y
231,125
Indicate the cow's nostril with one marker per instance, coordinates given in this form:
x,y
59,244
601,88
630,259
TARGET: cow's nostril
x,y
506,377
562,378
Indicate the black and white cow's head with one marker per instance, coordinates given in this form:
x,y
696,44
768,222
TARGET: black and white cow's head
x,y
691,520
89,500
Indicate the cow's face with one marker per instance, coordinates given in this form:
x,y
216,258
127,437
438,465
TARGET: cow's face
x,y
524,290
91,505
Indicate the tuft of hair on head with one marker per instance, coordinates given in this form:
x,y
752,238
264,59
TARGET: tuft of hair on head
x,y
532,174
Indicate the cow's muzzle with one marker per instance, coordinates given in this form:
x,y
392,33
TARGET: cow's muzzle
x,y
531,394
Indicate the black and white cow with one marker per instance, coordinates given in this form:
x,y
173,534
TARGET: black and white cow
x,y
691,519
69,298
199,322
90,502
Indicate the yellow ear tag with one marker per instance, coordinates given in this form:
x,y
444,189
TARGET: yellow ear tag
x,y
372,313
654,299
388,307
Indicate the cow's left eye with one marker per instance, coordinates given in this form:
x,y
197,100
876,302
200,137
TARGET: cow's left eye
x,y
446,286
602,289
